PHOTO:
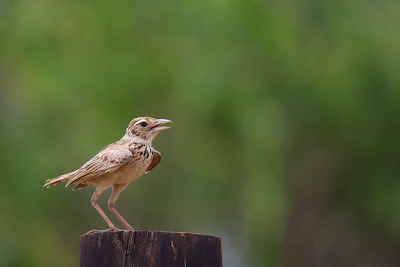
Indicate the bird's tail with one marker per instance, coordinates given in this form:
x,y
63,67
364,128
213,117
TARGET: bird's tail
x,y
52,182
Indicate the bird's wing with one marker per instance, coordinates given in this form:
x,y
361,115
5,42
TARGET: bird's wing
x,y
107,160
154,162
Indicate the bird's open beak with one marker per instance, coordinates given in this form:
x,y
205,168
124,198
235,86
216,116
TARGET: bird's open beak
x,y
157,128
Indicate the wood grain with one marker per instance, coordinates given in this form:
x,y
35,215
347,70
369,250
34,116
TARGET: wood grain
x,y
148,248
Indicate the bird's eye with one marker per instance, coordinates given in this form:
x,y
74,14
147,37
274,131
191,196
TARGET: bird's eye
x,y
143,124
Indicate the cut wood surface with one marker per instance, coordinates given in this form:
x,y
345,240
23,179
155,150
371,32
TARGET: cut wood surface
x,y
148,248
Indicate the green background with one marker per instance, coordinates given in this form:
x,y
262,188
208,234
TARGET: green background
x,y
285,140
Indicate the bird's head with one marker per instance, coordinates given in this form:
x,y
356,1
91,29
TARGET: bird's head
x,y
144,129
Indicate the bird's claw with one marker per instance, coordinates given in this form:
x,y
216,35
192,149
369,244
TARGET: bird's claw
x,y
112,229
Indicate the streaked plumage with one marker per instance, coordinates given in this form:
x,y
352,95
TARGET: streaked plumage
x,y
118,163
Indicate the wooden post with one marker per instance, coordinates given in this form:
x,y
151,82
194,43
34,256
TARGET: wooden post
x,y
147,248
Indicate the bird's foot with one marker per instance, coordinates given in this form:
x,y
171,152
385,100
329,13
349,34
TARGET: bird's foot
x,y
130,229
112,229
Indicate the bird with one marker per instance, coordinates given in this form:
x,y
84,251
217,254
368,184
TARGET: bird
x,y
118,164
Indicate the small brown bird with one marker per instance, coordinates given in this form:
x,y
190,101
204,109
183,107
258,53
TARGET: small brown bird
x,y
118,164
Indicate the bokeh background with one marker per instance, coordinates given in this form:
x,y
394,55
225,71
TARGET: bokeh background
x,y
285,139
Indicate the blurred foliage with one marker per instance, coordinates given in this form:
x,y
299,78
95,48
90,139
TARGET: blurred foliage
x,y
286,125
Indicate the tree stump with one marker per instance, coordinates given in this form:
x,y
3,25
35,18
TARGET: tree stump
x,y
148,248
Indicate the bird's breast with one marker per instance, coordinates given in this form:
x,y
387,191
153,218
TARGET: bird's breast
x,y
136,166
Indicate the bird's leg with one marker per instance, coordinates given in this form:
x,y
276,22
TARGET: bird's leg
x,y
95,197
117,189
